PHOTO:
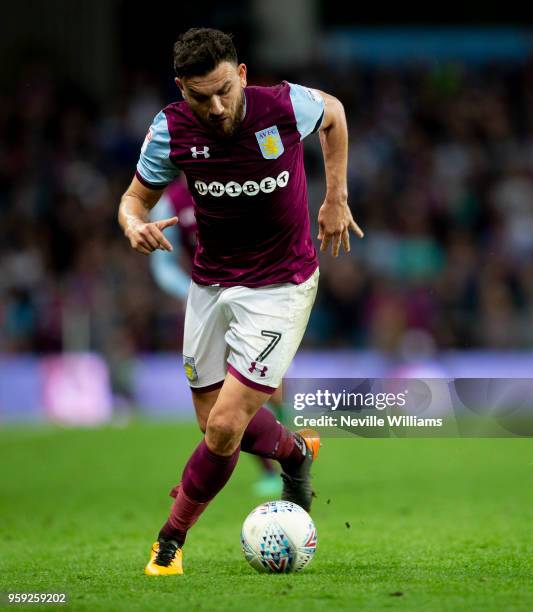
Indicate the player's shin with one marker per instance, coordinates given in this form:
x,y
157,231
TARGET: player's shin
x,y
204,476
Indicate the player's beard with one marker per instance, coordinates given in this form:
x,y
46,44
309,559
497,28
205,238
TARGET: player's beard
x,y
231,125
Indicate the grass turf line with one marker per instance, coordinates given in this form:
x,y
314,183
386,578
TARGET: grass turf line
x,y
434,524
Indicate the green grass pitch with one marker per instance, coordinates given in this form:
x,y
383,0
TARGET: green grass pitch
x,y
406,524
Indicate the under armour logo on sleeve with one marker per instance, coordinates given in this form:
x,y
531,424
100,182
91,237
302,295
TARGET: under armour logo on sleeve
x,y
196,152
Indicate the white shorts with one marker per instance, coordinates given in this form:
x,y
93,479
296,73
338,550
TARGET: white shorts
x,y
252,333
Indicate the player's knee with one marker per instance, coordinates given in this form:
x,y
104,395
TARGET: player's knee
x,y
222,431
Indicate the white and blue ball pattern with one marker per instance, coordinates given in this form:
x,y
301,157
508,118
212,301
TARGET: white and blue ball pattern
x,y
278,537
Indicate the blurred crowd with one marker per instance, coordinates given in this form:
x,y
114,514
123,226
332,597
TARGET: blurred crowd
x,y
440,178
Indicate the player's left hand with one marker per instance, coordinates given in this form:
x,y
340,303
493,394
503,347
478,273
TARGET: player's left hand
x,y
335,222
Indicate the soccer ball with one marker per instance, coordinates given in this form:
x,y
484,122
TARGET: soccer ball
x,y
278,537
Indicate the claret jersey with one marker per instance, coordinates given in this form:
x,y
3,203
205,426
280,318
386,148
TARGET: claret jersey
x,y
250,191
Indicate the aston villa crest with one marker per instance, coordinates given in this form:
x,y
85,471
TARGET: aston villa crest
x,y
270,142
190,368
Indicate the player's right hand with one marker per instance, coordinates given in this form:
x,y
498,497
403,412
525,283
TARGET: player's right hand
x,y
335,222
147,237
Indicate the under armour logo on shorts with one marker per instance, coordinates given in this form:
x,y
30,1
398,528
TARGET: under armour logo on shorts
x,y
262,370
196,152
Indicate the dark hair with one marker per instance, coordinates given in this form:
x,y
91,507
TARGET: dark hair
x,y
200,50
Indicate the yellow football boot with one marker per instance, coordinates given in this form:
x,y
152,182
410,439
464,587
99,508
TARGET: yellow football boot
x,y
165,559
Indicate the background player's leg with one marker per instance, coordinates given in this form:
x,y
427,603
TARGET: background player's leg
x,y
214,459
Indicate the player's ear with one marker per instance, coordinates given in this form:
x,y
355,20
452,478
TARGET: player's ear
x,y
179,84
241,71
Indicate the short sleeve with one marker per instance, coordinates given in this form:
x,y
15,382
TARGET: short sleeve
x,y
308,106
154,168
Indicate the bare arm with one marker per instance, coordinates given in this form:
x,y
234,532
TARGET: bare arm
x,y
335,218
133,216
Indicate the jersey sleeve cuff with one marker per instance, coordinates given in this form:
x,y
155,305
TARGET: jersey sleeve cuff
x,y
146,183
